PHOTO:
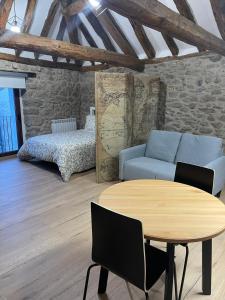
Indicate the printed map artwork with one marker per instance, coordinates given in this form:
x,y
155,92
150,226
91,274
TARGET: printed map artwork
x,y
126,110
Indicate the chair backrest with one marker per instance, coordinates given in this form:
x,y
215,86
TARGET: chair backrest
x,y
196,176
118,245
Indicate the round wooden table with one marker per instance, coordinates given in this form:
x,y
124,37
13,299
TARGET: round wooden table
x,y
171,212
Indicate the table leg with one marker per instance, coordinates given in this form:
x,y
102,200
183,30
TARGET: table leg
x,y
206,267
103,278
169,272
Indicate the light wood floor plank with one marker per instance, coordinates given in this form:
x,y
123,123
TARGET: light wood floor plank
x,y
45,240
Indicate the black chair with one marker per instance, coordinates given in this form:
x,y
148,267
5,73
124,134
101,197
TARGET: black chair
x,y
198,177
118,246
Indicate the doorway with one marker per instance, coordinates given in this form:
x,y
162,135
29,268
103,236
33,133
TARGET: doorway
x,y
10,121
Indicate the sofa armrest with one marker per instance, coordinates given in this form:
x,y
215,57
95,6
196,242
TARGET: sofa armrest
x,y
129,153
218,166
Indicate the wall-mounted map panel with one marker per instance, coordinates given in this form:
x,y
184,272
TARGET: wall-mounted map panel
x,y
127,108
114,102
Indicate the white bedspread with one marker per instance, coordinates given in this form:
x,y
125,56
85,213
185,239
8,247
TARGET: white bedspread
x,y
72,151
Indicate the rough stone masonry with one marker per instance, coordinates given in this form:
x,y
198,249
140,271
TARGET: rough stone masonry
x,y
195,93
195,99
52,94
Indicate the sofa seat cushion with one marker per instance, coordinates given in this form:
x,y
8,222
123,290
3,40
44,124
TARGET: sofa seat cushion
x,y
163,145
198,149
144,168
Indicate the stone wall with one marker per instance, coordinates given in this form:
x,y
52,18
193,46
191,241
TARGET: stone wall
x,y
87,95
53,94
195,94
195,100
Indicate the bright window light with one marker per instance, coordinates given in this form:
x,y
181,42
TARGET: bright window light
x,y
15,28
95,3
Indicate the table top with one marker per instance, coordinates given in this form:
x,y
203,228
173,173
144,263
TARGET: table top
x,y
169,211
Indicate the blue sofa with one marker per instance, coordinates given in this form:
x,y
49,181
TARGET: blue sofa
x,y
158,158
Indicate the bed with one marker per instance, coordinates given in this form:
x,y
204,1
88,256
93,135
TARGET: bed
x,y
72,151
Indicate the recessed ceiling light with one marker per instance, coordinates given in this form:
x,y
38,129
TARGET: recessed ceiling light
x,y
95,3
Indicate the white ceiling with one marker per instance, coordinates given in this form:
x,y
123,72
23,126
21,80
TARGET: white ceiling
x,y
201,9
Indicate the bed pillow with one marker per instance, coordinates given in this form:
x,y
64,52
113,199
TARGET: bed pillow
x,y
90,123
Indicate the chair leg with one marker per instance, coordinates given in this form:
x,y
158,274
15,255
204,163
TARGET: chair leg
x,y
206,267
146,295
147,242
184,271
87,279
103,278
175,281
183,275
218,194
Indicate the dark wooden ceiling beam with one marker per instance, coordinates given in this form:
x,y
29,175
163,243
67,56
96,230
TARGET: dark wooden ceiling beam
x,y
50,18
171,44
74,35
74,8
114,30
39,62
143,39
218,7
5,8
77,6
158,16
62,29
99,29
72,27
86,33
185,10
49,21
172,58
63,49
28,18
72,23
60,34
49,64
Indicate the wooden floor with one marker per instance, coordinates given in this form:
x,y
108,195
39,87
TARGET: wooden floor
x,y
45,242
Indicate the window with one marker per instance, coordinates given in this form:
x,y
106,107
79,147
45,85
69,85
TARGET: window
x,y
10,121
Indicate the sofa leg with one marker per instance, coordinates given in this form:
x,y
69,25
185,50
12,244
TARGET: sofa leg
x,y
218,194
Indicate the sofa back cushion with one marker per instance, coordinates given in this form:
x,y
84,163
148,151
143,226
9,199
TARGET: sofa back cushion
x,y
198,149
163,145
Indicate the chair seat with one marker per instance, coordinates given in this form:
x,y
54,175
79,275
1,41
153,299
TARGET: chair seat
x,y
156,262
148,168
